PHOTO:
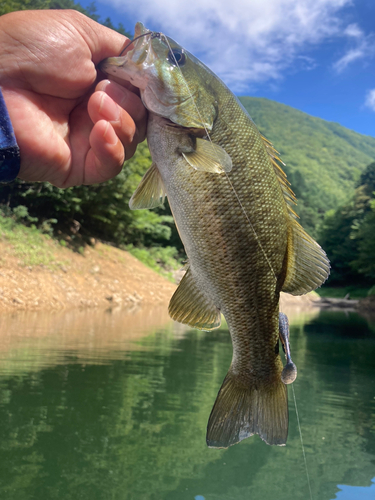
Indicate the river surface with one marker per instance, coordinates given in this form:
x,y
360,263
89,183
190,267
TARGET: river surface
x,y
114,406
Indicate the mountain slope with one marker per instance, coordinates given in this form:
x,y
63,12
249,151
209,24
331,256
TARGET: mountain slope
x,y
323,160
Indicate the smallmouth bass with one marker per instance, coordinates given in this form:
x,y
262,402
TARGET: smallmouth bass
x,y
231,203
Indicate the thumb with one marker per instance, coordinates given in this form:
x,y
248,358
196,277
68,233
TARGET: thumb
x,y
102,41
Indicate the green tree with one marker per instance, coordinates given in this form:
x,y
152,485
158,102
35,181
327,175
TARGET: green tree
x,y
364,264
348,234
101,210
7,6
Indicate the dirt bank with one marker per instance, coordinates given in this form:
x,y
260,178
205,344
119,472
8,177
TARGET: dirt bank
x,y
100,277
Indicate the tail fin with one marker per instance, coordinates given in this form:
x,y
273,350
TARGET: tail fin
x,y
241,411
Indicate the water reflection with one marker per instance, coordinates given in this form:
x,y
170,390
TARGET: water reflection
x,y
356,492
107,405
32,340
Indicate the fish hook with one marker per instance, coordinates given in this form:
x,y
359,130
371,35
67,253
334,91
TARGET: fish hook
x,y
152,33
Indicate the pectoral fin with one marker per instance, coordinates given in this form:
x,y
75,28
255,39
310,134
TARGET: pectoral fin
x,y
307,263
209,157
150,193
189,305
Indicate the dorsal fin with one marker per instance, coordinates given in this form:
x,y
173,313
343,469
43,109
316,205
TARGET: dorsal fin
x,y
288,194
307,263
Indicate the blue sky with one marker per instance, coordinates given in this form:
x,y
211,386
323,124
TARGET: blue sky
x,y
314,55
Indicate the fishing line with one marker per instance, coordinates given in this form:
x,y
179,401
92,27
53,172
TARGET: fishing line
x,y
153,34
134,39
303,448
209,138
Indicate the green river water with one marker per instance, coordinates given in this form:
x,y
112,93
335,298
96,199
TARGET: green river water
x,y
114,406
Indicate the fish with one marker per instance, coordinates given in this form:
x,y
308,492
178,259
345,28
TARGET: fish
x,y
233,208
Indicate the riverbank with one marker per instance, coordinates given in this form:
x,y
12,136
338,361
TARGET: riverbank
x,y
99,276
39,273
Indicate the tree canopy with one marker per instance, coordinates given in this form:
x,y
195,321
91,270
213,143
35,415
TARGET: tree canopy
x,y
348,234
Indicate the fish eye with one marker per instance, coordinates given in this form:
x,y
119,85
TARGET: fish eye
x,y
177,56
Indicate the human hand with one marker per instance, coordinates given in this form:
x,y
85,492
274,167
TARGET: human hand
x,y
71,127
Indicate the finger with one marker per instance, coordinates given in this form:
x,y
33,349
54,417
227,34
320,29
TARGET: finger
x,y
102,41
102,107
123,83
129,101
105,158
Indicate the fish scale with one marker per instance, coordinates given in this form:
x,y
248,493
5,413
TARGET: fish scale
x,y
231,203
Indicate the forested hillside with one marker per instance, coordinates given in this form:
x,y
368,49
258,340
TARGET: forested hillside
x,y
323,160
325,163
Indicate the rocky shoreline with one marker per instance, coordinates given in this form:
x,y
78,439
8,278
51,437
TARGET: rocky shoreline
x,y
331,303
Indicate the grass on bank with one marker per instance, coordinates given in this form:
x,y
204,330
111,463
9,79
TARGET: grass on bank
x,y
163,260
28,244
34,246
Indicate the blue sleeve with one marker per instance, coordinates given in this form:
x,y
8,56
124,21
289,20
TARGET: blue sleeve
x,y
9,151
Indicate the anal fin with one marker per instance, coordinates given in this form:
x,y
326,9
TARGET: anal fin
x,y
189,305
243,410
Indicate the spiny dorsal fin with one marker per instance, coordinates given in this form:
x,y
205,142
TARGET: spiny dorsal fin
x,y
307,263
150,193
208,157
189,305
288,194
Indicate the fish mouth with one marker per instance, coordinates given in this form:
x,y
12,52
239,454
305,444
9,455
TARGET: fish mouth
x,y
110,62
129,67
139,43
140,30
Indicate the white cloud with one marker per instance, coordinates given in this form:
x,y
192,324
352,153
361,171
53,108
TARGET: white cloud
x,y
370,99
362,47
354,31
247,41
351,56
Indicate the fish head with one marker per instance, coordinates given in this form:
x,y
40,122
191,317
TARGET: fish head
x,y
173,83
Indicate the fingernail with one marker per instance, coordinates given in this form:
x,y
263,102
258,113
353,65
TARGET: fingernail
x,y
109,135
109,109
118,93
